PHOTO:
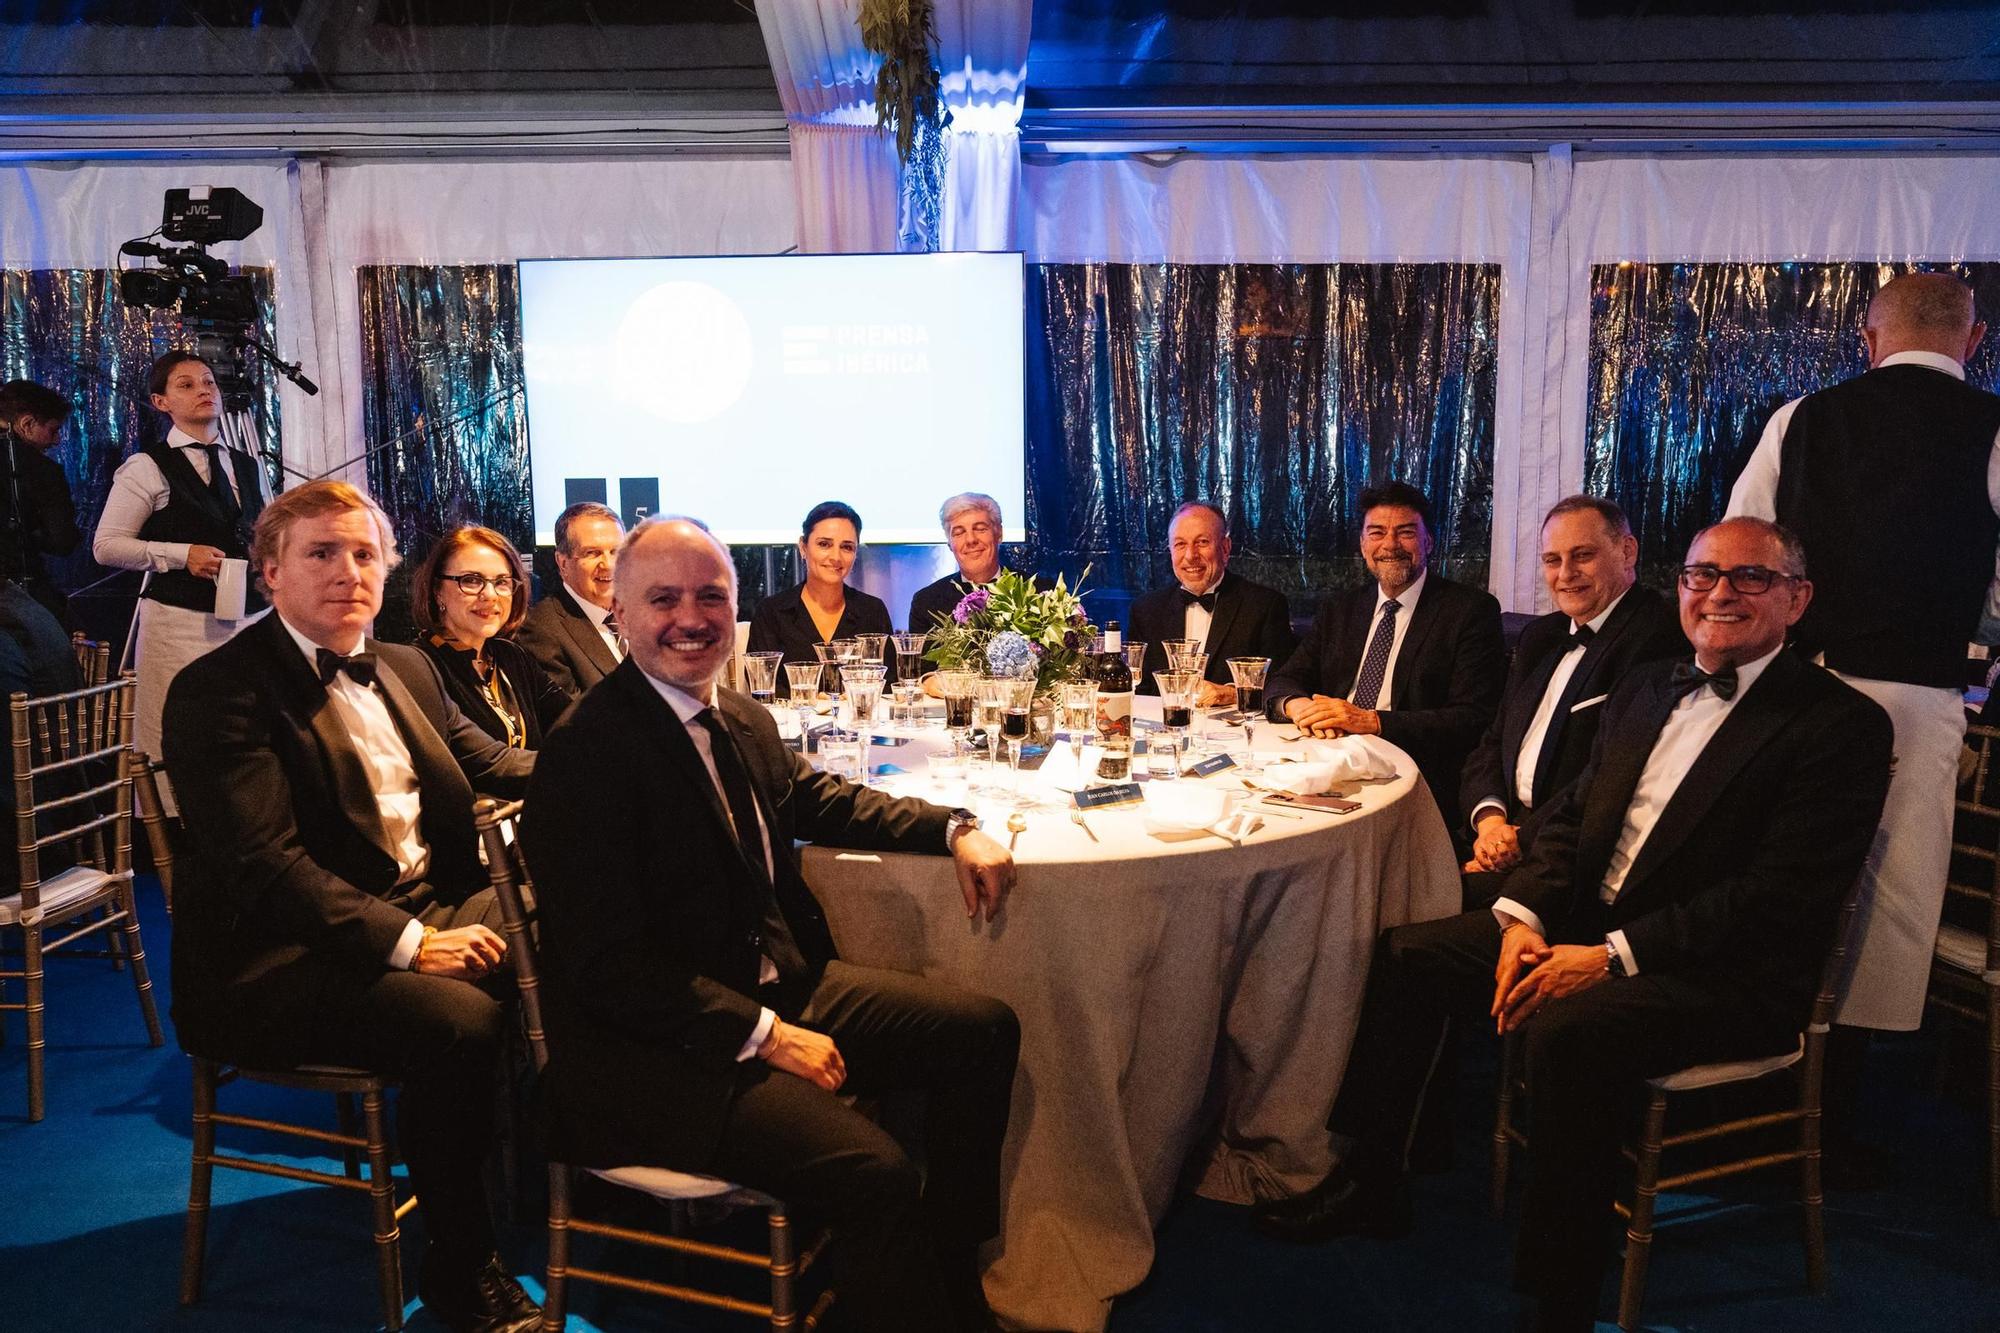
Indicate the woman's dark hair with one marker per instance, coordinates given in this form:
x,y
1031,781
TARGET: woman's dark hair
x,y
424,582
825,510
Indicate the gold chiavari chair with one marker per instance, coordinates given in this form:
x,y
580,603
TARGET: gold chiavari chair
x,y
1802,1115
93,667
1965,966
72,762
783,1261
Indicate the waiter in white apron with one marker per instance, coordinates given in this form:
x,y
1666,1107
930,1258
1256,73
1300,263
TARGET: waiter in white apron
x,y
1892,481
179,511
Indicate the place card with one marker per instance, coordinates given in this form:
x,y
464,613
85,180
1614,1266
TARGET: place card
x,y
1215,763
1229,717
1104,798
887,770
1146,724
891,741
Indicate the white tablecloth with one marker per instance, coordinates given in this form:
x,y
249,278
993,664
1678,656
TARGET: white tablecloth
x,y
1182,1004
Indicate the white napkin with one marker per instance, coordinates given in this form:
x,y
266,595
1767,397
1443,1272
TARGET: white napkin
x,y
1059,768
1324,764
1183,808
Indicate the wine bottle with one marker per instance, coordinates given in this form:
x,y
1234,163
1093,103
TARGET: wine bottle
x,y
1114,686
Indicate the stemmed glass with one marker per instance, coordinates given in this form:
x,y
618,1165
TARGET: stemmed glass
x,y
959,689
1175,649
874,648
863,684
804,679
909,669
760,675
829,660
990,707
1018,700
1135,659
1177,690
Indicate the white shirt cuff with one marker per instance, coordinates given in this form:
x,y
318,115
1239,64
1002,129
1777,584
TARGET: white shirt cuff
x,y
1616,939
406,946
165,557
765,1021
1493,803
1508,912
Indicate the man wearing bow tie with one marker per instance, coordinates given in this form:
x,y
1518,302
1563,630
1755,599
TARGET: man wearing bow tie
x,y
332,908
1675,909
1227,614
1565,666
1409,655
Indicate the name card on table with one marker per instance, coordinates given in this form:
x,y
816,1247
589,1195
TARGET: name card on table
x,y
1140,724
889,740
1215,763
887,770
1104,798
1232,717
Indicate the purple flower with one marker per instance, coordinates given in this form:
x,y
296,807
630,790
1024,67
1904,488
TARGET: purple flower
x,y
1072,641
970,605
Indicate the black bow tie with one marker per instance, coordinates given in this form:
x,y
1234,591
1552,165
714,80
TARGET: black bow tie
x,y
1581,635
360,668
1206,601
1688,678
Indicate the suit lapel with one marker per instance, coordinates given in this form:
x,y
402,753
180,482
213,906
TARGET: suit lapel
x,y
1358,617
430,755
1521,709
1617,779
1429,607
1221,620
671,740
344,764
1762,711
583,632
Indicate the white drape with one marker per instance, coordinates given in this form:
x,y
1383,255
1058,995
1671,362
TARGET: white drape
x,y
847,178
983,69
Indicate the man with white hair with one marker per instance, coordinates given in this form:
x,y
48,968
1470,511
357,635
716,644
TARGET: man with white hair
x,y
1847,469
702,1020
972,525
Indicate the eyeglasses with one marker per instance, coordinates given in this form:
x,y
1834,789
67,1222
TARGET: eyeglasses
x,y
1750,580
472,584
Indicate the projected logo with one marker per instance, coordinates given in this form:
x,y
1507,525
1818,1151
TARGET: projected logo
x,y
857,349
683,352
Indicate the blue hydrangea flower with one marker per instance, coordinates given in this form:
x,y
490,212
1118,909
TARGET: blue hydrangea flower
x,y
1010,654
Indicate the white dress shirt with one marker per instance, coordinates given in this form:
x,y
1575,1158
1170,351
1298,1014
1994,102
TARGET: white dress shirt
x,y
386,759
138,491
686,706
1545,715
597,615
1689,728
1756,491
1406,610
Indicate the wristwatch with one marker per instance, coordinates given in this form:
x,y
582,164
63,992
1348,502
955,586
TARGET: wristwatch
x,y
1614,962
961,819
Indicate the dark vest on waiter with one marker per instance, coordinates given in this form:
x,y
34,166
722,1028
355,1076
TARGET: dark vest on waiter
x,y
203,513
1895,456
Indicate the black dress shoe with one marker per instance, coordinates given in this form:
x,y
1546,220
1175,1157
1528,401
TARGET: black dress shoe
x,y
1340,1205
485,1299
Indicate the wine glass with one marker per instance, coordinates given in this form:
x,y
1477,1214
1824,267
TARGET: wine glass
x,y
1173,649
760,675
863,684
1018,700
803,679
990,706
1135,659
959,689
873,648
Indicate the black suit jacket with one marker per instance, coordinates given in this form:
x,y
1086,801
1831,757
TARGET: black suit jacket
x,y
541,700
1746,867
650,947
783,625
290,873
1643,627
1447,682
1249,620
564,642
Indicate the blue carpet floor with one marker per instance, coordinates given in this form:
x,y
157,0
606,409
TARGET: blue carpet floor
x,y
92,1199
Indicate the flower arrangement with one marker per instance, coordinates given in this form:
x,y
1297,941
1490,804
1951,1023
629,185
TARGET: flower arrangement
x,y
1013,628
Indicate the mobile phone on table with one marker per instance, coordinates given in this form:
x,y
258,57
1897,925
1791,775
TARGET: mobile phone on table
x,y
1332,805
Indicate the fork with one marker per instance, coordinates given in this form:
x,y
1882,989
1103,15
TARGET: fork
x,y
1076,818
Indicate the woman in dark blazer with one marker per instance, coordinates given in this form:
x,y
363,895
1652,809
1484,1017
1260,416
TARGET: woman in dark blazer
x,y
823,608
467,596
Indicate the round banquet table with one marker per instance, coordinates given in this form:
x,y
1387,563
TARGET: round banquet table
x,y
1186,1004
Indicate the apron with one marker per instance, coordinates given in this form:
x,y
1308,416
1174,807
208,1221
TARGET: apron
x,y
169,638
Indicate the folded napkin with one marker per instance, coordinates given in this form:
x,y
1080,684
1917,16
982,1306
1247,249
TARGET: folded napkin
x,y
1321,765
1183,808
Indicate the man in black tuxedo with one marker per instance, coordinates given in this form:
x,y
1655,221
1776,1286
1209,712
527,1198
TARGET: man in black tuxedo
x,y
698,1018
1675,909
972,526
32,416
1565,666
571,632
1412,656
1227,613
333,908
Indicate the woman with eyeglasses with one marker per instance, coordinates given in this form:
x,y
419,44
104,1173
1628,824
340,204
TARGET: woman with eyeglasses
x,y
824,607
467,596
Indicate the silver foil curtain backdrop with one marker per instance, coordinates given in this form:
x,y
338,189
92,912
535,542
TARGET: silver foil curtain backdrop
x,y
1689,361
1277,392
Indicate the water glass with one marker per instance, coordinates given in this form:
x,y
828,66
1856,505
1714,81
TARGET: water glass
x,y
1163,756
1175,649
760,675
863,687
872,647
1079,705
1135,659
1248,673
909,656
1114,762
947,768
840,754
906,695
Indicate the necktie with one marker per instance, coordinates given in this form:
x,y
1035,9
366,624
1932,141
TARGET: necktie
x,y
360,667
1375,666
1206,600
776,943
1688,678
617,632
218,485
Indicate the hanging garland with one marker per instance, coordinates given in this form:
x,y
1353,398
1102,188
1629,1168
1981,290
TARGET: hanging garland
x,y
904,34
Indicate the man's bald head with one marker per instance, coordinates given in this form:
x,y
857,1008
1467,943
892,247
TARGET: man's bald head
x,y
1922,312
674,593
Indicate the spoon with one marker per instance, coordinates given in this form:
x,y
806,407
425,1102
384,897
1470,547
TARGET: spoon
x,y
1017,823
